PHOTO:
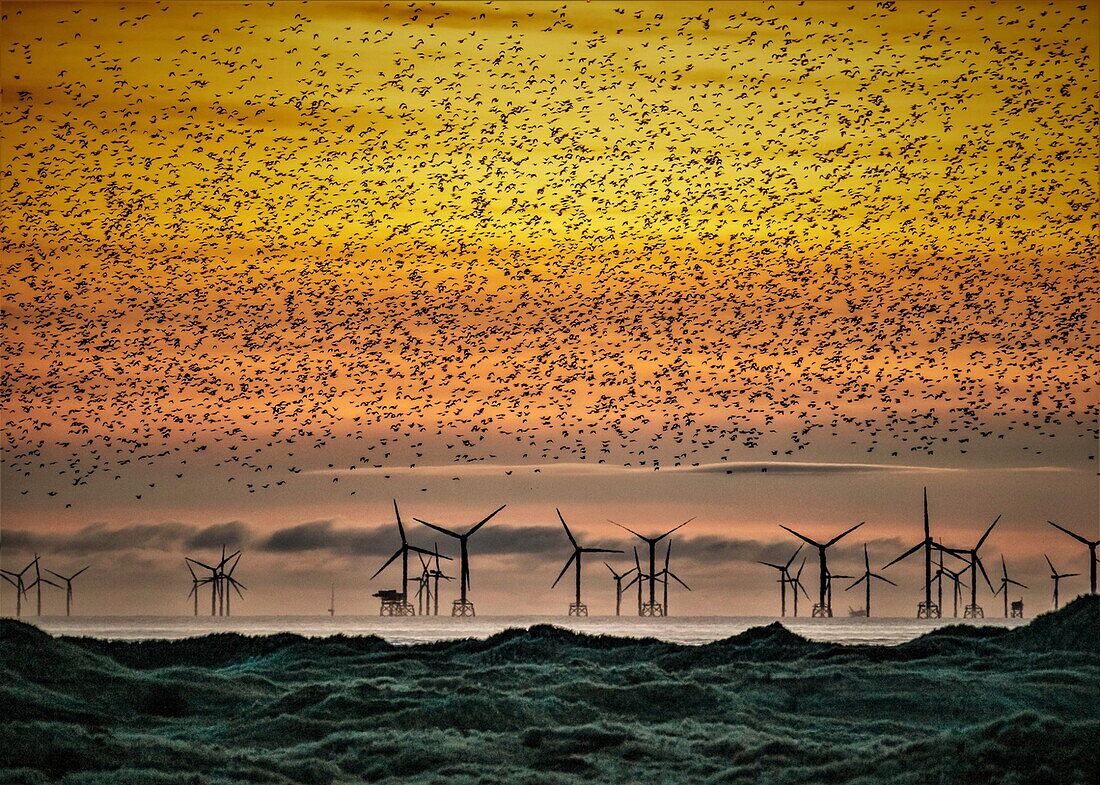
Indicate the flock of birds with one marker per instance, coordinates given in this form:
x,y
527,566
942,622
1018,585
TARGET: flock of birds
x,y
650,235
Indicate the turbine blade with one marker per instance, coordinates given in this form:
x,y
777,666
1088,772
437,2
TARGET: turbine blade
x,y
800,536
841,536
874,575
624,527
389,561
1016,583
674,528
598,550
790,561
568,533
862,578
426,552
440,529
987,531
677,579
1049,564
485,520
564,569
905,555
984,573
1077,537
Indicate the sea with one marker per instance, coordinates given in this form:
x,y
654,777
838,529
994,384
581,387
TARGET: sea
x,y
690,630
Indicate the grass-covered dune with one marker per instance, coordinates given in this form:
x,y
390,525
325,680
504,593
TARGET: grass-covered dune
x,y
960,705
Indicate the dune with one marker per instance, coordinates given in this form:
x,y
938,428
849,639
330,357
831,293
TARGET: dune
x,y
546,705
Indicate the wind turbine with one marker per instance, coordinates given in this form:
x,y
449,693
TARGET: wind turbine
x,y
437,574
16,580
1092,553
866,577
1057,577
577,608
666,573
195,583
784,579
823,608
402,607
216,581
423,587
955,577
618,586
639,578
68,588
462,606
1005,581
796,583
232,583
332,600
926,609
973,610
652,608
38,581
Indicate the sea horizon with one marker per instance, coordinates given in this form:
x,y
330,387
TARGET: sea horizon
x,y
686,630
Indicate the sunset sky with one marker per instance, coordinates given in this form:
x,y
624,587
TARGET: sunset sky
x,y
269,266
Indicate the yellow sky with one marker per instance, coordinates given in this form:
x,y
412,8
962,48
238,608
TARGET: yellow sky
x,y
262,237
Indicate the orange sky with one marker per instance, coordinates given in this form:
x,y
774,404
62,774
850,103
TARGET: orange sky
x,y
242,240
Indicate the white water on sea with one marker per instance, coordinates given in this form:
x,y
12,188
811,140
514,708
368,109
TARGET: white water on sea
x,y
425,629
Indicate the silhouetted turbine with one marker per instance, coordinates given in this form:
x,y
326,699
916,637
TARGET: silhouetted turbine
x,y
403,553
1005,581
796,583
16,580
866,577
653,610
925,610
38,581
578,608
784,579
824,607
464,607
1092,553
1057,577
68,588
973,610
665,574
618,586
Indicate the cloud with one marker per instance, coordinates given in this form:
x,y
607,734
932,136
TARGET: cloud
x,y
233,534
326,536
100,538
574,468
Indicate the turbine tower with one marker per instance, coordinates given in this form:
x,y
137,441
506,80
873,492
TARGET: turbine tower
x,y
462,606
866,578
823,608
652,608
577,608
1057,577
1092,553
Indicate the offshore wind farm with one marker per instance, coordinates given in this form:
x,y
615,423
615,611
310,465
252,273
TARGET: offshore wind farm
x,y
549,393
